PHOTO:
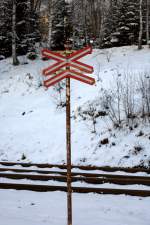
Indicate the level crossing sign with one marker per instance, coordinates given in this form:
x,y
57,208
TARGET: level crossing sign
x,y
72,68
67,66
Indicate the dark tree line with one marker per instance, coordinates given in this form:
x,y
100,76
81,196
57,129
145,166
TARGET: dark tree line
x,y
103,23
18,26
111,22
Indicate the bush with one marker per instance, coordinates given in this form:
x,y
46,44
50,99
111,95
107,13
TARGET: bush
x,y
105,141
119,101
23,157
136,150
2,57
32,56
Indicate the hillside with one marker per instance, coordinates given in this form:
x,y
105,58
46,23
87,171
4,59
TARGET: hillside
x,y
33,124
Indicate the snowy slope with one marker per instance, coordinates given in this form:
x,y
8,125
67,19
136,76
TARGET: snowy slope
x,y
32,125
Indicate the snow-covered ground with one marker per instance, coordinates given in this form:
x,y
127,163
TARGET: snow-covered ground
x,y
33,126
25,207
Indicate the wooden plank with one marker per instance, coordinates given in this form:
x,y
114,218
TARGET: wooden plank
x,y
46,188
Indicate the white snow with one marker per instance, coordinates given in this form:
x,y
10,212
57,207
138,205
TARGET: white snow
x,y
33,125
25,207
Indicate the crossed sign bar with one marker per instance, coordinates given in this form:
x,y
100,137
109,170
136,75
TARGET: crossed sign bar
x,y
67,63
70,61
69,74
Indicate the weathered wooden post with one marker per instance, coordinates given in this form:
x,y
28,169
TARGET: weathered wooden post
x,y
68,46
66,61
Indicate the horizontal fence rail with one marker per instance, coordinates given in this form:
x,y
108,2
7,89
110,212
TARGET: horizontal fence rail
x,y
85,175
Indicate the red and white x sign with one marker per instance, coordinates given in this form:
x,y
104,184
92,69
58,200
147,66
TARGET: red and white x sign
x,y
68,74
69,61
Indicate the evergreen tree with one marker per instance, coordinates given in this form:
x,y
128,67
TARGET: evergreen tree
x,y
14,35
27,27
79,22
128,22
5,27
27,33
111,22
57,36
122,23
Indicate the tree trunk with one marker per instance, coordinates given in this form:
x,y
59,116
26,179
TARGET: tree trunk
x,y
147,21
37,5
50,11
14,54
141,26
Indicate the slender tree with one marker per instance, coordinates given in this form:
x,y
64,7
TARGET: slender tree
x,y
6,27
147,20
141,26
57,37
50,21
14,34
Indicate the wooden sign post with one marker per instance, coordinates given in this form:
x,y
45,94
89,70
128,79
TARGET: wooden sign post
x,y
67,61
68,140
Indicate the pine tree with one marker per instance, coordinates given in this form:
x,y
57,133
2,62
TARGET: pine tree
x,y
57,36
147,21
27,27
27,33
128,23
111,22
14,36
78,22
145,13
141,26
122,25
5,27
